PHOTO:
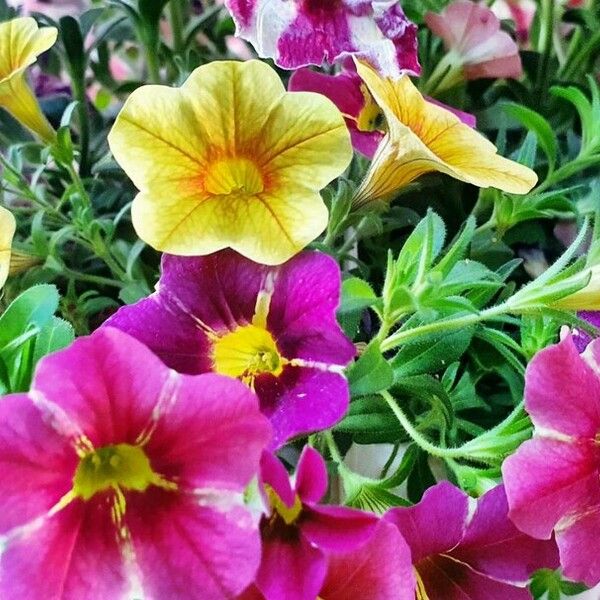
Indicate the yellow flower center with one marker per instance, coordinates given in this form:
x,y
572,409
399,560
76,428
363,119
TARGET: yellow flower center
x,y
118,467
421,592
289,514
246,352
371,116
233,176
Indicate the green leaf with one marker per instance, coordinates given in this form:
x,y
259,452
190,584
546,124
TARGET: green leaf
x,y
371,373
357,295
528,151
56,335
72,40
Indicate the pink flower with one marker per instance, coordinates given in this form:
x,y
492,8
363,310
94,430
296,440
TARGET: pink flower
x,y
522,13
297,33
553,480
298,533
380,569
55,9
472,35
364,118
272,327
114,464
459,554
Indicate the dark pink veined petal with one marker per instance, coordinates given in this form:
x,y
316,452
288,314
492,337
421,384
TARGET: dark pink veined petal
x,y
106,384
492,545
73,555
273,474
562,392
168,331
380,570
211,436
547,480
302,400
191,549
448,579
36,463
302,312
579,544
311,476
436,524
337,528
290,569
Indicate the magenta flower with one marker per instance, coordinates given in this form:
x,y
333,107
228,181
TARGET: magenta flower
x,y
55,9
522,13
297,533
380,569
272,327
460,557
298,33
553,480
113,465
475,42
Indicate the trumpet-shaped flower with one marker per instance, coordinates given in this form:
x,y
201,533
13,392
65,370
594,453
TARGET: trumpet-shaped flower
x,y
116,470
423,137
7,231
476,46
272,327
298,33
21,41
522,13
461,554
230,159
380,569
553,480
298,532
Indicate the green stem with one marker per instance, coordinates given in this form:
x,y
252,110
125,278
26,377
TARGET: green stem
x,y
153,64
84,125
335,454
177,25
572,168
545,47
88,277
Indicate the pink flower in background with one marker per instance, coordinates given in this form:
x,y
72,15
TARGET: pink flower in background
x,y
521,12
297,33
553,480
581,338
273,327
380,569
474,40
459,554
113,456
55,9
298,533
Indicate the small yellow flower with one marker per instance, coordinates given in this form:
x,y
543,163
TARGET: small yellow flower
x,y
423,137
21,41
587,298
230,159
7,231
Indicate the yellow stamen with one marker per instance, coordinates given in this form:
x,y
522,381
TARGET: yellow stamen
x,y
233,176
289,514
421,592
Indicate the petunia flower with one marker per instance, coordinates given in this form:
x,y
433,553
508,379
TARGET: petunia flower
x,y
521,12
476,45
55,9
272,327
299,33
380,569
121,478
364,118
298,532
21,42
230,159
464,554
553,480
581,338
423,137
8,227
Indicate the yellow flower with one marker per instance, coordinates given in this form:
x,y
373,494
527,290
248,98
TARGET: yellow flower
x,y
230,159
21,41
7,231
587,298
423,137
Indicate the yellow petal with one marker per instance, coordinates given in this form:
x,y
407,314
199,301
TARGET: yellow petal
x,y
230,159
423,137
7,231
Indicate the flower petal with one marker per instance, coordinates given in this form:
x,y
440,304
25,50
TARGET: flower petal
x,y
547,480
8,227
274,474
36,463
311,476
189,550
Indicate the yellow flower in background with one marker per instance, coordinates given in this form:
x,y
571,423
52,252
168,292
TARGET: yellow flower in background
x,y
7,231
588,298
21,42
230,159
423,137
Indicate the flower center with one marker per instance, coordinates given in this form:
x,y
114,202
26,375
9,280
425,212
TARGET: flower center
x,y
371,116
246,352
421,592
289,514
122,466
233,176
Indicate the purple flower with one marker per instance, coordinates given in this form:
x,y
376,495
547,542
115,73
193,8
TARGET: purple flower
x,y
272,327
553,480
297,33
114,462
581,338
297,533
459,554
